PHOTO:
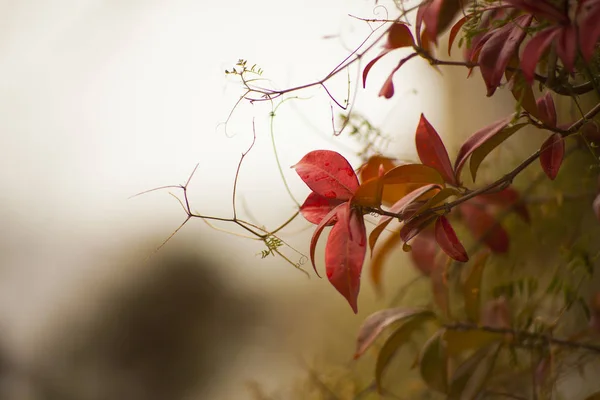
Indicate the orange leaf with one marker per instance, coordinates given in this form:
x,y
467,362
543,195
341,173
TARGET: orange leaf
x,y
371,169
369,193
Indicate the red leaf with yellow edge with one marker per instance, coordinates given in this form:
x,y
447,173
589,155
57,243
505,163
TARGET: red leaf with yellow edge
x,y
552,154
316,207
547,110
478,139
330,218
448,241
328,173
345,253
383,252
484,227
432,151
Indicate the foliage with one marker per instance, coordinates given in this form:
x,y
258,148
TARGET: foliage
x,y
470,347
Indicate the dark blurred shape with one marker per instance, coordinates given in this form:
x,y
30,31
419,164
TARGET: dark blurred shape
x,y
163,335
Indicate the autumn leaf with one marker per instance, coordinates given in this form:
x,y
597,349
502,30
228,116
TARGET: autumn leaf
x,y
345,253
432,151
376,323
484,227
448,241
534,49
329,219
437,15
552,154
369,193
374,166
479,139
424,250
505,199
454,32
328,174
316,207
547,110
588,15
520,89
379,258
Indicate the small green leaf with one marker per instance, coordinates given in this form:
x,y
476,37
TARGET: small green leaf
x,y
396,340
472,288
433,363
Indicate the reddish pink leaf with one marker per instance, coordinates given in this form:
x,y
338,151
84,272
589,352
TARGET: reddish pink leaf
x,y
316,207
498,50
505,199
552,153
454,32
423,252
534,49
387,90
328,173
370,65
432,151
566,46
345,253
448,241
478,139
588,15
484,227
547,110
330,218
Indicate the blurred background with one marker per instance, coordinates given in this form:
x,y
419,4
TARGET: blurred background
x,y
102,99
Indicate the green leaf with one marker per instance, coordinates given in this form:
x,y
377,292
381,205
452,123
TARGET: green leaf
x,y
433,363
490,144
396,340
472,288
470,376
459,341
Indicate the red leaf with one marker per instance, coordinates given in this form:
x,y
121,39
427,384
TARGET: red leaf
x,y
478,139
316,207
328,173
438,14
540,8
534,50
498,50
432,151
423,251
566,46
387,90
370,65
345,253
454,31
547,110
448,241
399,36
327,220
552,153
415,225
588,15
484,227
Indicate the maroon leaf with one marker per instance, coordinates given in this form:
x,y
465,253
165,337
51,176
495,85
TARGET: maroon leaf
x,y
547,110
387,90
505,199
454,32
328,174
438,14
415,225
432,151
566,46
375,323
484,227
540,8
478,139
534,49
588,15
499,48
552,153
316,207
330,218
448,241
423,252
345,253
370,65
